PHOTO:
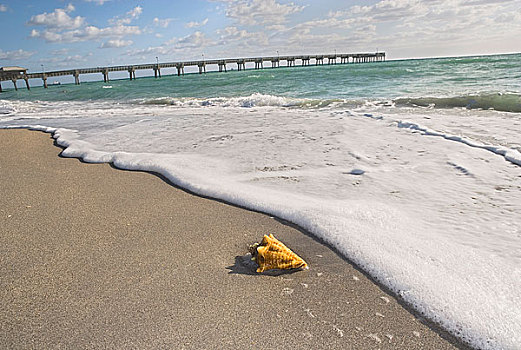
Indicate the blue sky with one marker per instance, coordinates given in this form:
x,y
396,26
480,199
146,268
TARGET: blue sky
x,y
82,33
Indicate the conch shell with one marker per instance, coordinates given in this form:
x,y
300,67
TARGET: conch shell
x,y
273,254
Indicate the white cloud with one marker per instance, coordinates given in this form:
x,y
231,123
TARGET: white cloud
x,y
116,43
59,27
485,2
152,50
65,60
86,34
252,12
194,41
15,55
129,16
332,23
276,27
233,34
163,23
389,10
59,19
60,52
510,17
3,8
196,24
92,32
135,12
99,2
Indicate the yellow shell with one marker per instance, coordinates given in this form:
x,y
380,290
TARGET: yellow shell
x,y
273,254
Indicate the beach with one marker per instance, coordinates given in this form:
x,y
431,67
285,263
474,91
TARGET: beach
x,y
96,257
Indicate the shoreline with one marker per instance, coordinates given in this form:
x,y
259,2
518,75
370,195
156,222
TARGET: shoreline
x,y
124,258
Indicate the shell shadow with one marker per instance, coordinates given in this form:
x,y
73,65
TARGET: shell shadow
x,y
245,266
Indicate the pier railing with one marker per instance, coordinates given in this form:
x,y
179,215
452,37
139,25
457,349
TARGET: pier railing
x,y
273,61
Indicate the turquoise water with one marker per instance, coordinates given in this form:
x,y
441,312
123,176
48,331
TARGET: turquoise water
x,y
473,82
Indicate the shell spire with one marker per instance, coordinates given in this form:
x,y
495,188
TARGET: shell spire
x,y
271,253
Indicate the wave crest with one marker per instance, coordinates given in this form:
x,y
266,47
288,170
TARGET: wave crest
x,y
500,102
6,108
253,100
507,102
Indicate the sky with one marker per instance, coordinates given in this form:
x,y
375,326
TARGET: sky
x,y
58,34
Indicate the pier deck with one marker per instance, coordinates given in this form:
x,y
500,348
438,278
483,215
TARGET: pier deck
x,y
273,62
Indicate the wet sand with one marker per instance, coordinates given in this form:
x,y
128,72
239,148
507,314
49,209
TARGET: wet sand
x,y
95,257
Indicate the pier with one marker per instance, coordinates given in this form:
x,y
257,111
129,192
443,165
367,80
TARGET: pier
x,y
14,74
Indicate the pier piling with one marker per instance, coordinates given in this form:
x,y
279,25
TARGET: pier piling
x,y
180,69
44,78
132,73
157,71
76,77
331,59
14,83
202,67
222,66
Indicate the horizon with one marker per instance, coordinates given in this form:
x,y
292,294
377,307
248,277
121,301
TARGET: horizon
x,y
52,35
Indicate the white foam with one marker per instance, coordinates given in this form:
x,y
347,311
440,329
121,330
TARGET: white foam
x,y
6,107
511,155
254,100
437,221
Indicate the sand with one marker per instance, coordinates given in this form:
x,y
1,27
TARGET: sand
x,y
95,257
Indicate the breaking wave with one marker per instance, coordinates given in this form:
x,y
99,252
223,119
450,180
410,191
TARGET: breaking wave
x,y
500,102
6,107
507,102
253,100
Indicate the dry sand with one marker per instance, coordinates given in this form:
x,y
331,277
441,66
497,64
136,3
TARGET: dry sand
x,y
94,257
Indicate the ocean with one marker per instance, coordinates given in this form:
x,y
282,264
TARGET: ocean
x,y
411,169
